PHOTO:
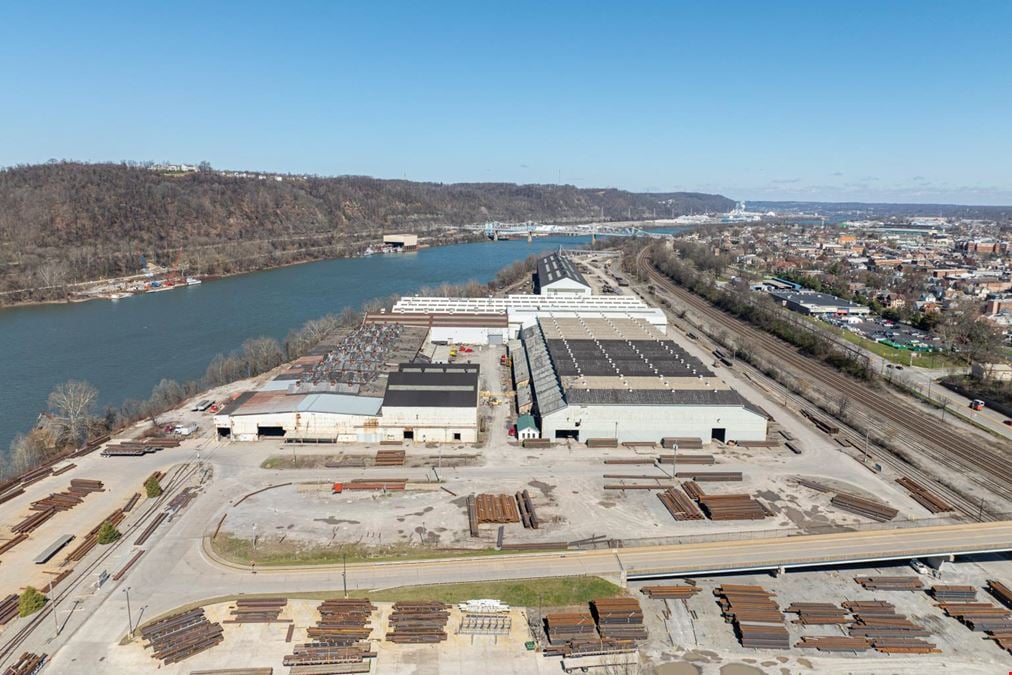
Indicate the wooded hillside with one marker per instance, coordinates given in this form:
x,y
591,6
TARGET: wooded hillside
x,y
68,222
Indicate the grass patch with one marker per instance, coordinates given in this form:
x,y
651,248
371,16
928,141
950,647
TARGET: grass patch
x,y
300,461
550,591
278,554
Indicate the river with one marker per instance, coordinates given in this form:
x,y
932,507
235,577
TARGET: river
x,y
124,348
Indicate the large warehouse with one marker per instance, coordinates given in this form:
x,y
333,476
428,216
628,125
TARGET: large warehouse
x,y
368,386
461,319
621,378
558,276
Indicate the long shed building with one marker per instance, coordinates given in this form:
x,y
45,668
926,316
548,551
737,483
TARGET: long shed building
x,y
621,378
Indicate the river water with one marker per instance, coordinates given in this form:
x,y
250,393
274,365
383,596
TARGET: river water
x,y
124,348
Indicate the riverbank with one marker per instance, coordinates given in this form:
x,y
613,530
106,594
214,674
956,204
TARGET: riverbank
x,y
125,348
118,288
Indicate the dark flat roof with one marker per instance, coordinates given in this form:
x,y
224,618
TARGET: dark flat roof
x,y
592,357
438,386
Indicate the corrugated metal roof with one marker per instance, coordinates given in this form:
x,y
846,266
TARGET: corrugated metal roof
x,y
341,404
554,267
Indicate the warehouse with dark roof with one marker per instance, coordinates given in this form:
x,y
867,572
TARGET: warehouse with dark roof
x,y
557,275
621,378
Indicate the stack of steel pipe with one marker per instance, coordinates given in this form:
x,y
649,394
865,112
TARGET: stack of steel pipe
x,y
863,507
679,505
755,615
260,610
496,509
526,507
818,613
924,496
619,618
182,635
890,583
1000,591
834,643
669,592
562,627
418,622
8,608
980,616
27,664
389,458
954,593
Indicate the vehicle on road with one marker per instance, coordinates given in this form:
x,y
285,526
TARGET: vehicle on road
x,y
976,404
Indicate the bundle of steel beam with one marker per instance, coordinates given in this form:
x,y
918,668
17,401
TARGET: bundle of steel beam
x,y
343,622
418,622
818,613
879,622
8,608
389,458
496,509
834,643
91,539
954,593
683,443
602,442
669,592
620,618
979,616
686,459
863,507
33,521
925,497
732,507
1000,591
679,505
182,635
526,508
904,645
755,615
260,610
561,627
702,476
11,543
27,664
387,484
890,583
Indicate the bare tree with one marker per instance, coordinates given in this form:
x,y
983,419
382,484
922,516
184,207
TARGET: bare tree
x,y
71,409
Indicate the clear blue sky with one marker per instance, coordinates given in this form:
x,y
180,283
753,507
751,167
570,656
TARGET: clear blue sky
x,y
877,101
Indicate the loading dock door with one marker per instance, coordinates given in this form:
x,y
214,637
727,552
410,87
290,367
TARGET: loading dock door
x,y
271,432
718,434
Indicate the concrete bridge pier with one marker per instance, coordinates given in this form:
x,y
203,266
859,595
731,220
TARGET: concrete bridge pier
x,y
935,562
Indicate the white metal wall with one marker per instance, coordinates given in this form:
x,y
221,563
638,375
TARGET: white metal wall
x,y
652,423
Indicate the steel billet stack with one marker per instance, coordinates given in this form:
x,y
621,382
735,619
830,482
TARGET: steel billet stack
x,y
418,622
755,615
619,618
182,635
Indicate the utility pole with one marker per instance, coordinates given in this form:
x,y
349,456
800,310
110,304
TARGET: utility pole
x,y
344,572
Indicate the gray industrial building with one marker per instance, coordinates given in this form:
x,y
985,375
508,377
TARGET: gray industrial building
x,y
621,378
557,275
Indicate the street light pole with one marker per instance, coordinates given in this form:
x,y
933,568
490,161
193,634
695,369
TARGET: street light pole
x,y
130,614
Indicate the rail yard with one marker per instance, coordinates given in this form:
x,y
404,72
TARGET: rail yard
x,y
318,517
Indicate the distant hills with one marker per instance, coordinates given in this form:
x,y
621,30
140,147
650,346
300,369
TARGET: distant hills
x,y
65,222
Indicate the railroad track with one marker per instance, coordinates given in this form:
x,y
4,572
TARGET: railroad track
x,y
987,466
181,475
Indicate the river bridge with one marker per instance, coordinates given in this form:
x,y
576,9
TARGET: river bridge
x,y
496,230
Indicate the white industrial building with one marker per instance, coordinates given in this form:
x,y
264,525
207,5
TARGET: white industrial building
x,y
557,275
520,311
621,378
811,302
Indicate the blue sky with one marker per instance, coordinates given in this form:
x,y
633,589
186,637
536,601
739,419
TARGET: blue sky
x,y
875,101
